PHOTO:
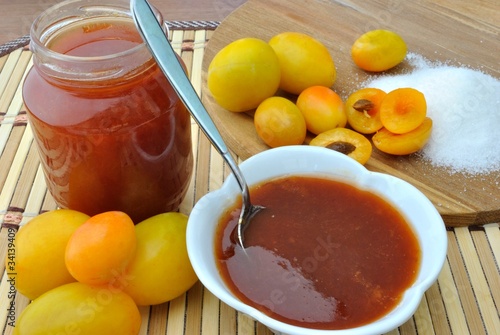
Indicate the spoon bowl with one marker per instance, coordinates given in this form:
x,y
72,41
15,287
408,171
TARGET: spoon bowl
x,y
162,51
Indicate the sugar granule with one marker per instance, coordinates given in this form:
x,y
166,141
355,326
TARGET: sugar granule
x,y
464,105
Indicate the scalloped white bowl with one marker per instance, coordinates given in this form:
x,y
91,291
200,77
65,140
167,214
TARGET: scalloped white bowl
x,y
307,160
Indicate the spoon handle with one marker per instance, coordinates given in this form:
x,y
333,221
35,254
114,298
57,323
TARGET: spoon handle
x,y
167,60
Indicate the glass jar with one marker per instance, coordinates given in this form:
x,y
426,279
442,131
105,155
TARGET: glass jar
x,y
111,132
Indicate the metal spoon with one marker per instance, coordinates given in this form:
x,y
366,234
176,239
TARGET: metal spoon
x,y
165,56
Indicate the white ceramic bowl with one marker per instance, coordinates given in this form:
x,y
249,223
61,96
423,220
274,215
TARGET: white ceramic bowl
x,y
306,160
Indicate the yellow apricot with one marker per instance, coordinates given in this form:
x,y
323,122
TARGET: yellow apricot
x,y
279,122
160,270
36,259
378,50
304,62
77,308
243,74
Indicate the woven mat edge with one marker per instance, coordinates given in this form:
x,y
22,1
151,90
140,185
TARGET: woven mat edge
x,y
173,25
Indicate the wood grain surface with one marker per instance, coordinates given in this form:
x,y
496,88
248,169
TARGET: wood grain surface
x,y
464,300
456,32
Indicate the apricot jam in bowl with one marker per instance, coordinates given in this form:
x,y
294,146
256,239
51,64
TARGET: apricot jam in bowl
x,y
338,249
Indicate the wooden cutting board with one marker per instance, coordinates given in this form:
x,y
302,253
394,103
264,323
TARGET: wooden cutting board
x,y
458,32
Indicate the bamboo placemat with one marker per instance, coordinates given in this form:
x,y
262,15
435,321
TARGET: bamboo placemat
x,y
464,300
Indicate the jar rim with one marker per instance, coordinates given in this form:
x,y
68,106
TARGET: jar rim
x,y
37,44
48,22
47,26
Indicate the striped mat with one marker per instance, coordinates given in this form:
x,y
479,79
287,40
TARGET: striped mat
x,y
464,300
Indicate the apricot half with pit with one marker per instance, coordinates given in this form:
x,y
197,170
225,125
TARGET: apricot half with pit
x,y
363,110
403,144
346,141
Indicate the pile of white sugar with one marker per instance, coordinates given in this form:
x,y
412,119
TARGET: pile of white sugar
x,y
464,105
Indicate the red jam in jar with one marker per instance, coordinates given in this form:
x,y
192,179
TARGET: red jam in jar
x,y
112,134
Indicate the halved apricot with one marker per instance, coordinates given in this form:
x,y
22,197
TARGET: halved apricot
x,y
363,110
346,141
403,110
403,144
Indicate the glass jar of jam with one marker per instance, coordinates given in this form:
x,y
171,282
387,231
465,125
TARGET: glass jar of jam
x,y
112,134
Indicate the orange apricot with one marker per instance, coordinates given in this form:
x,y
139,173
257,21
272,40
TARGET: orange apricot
x,y
346,141
100,250
403,144
323,109
403,110
363,110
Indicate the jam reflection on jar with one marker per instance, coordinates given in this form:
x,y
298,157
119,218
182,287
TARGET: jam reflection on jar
x,y
111,132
